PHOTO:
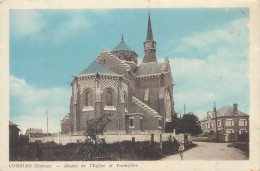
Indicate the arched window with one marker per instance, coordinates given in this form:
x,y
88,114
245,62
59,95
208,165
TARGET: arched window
x,y
109,98
88,98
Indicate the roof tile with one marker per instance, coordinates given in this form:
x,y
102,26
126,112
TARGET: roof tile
x,y
122,46
149,68
225,111
95,67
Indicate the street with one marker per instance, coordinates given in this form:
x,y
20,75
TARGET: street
x,y
210,151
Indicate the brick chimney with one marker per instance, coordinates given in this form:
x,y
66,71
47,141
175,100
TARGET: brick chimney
x,y
235,110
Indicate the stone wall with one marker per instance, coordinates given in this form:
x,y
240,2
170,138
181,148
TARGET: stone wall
x,y
81,113
168,83
69,138
152,84
150,116
65,126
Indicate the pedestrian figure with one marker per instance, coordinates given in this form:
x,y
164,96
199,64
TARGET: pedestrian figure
x,y
181,149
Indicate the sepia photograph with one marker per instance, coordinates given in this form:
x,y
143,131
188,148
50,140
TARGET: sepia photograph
x,y
143,84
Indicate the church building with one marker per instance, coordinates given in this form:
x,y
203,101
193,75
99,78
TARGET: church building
x,y
138,97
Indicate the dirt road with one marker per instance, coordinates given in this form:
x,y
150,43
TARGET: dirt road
x,y
210,151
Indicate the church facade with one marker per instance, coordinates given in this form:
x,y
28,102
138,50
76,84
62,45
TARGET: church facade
x,y
138,97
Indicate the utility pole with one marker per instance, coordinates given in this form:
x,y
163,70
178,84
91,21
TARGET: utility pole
x,y
184,110
47,121
215,111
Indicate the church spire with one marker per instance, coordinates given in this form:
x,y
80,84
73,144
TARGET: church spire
x,y
149,30
149,45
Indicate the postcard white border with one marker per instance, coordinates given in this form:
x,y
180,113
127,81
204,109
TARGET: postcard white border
x,y
254,74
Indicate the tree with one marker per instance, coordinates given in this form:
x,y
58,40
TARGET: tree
x,y
174,124
191,124
94,151
96,127
188,123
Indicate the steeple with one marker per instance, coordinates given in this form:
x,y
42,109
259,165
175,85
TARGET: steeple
x,y
149,30
149,45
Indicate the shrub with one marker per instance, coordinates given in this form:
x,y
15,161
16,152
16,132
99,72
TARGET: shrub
x,y
88,151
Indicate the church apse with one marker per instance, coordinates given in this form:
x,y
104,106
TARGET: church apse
x,y
138,97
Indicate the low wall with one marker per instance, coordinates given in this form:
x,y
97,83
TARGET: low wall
x,y
222,138
200,139
68,138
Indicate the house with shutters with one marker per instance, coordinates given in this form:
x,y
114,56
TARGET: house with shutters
x,y
229,120
138,97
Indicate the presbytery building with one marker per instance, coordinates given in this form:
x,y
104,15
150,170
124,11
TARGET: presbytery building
x,y
229,120
138,97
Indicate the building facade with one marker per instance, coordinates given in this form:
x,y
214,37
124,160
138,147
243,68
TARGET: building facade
x,y
229,120
138,97
33,131
13,141
13,132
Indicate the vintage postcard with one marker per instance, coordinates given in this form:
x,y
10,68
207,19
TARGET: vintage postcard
x,y
168,85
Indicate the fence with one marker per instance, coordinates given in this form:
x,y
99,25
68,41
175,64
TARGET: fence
x,y
69,138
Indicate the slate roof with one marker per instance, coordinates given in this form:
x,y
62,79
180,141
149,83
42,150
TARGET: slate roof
x,y
149,69
95,67
11,123
66,117
122,46
225,111
204,118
